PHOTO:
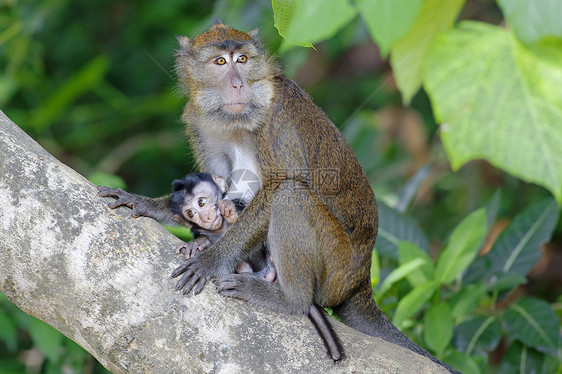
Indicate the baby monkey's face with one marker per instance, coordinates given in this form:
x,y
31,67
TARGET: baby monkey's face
x,y
201,207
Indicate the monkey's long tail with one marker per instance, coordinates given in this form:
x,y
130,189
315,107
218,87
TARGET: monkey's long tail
x,y
319,319
362,313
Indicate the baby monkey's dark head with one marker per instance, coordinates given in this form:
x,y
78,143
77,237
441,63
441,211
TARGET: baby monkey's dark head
x,y
227,74
194,199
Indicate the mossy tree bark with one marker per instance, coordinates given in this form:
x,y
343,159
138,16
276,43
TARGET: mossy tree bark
x,y
103,279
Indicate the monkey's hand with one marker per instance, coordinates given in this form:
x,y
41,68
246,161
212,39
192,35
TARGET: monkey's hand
x,y
228,210
190,249
140,205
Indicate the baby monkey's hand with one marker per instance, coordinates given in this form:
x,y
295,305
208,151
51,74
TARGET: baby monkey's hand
x,y
228,210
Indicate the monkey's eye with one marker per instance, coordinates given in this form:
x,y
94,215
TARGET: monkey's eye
x,y
202,201
242,59
190,213
220,61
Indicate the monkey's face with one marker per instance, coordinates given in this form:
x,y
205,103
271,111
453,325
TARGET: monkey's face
x,y
226,74
201,207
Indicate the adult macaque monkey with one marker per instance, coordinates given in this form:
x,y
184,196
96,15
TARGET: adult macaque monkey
x,y
243,113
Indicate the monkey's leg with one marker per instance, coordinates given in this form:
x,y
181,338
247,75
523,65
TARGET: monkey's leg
x,y
156,208
297,260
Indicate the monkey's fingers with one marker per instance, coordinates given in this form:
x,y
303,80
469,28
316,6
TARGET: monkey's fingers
x,y
195,283
120,202
105,191
232,286
181,269
183,280
199,286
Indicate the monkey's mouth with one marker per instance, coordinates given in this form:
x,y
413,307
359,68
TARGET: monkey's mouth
x,y
236,108
216,224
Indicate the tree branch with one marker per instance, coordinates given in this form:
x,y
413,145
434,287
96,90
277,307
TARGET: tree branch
x,y
102,278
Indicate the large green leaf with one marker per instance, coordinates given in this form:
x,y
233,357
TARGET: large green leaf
x,y
395,227
522,359
408,252
462,247
438,327
407,55
467,299
462,362
517,248
499,101
532,20
387,20
400,273
303,22
480,334
534,323
413,302
46,338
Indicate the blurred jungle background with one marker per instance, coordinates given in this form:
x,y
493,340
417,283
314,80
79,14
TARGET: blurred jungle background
x,y
453,107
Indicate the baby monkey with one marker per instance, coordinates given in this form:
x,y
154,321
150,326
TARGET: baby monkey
x,y
197,201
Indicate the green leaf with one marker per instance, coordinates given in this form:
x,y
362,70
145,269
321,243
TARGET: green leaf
x,y
480,334
532,20
522,359
534,323
462,247
492,208
395,227
8,331
302,22
375,269
438,327
182,232
467,299
409,190
109,180
413,302
84,80
408,54
499,101
462,362
388,21
400,273
47,339
408,252
517,248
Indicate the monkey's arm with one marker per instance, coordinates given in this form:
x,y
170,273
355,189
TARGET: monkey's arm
x,y
156,208
245,235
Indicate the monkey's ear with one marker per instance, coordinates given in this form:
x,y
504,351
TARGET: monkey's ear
x,y
183,41
221,182
179,219
178,185
253,33
217,22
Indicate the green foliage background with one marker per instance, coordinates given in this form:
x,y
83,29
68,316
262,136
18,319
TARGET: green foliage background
x,y
468,253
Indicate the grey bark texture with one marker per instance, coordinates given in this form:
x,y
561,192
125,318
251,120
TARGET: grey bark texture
x,y
103,279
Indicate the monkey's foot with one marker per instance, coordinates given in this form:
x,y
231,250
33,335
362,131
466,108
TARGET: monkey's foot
x,y
238,286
